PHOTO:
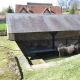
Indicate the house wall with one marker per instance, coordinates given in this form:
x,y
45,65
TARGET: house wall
x,y
46,35
33,36
11,36
44,40
67,38
67,34
35,40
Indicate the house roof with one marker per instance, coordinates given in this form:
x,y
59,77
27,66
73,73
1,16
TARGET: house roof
x,y
19,8
48,4
38,8
26,23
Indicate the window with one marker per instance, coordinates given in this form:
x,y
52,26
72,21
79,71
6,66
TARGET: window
x,y
23,11
46,11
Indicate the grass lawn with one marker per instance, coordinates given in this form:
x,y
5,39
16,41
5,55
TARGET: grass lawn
x,y
54,59
67,70
5,73
5,46
3,26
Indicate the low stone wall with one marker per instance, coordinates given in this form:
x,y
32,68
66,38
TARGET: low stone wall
x,y
3,32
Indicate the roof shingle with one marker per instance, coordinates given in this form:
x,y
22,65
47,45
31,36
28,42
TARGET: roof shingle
x,y
38,8
26,23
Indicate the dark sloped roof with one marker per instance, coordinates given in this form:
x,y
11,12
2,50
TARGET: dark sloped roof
x,y
38,8
25,23
48,4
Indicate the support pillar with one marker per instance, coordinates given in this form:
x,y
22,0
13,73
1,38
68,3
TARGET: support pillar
x,y
66,41
79,39
11,36
53,39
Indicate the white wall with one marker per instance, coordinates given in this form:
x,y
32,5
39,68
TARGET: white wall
x,y
11,36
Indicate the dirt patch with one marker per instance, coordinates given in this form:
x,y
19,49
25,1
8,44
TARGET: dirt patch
x,y
37,61
3,32
1,71
12,64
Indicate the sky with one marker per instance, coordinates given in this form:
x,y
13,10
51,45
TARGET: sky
x,y
12,3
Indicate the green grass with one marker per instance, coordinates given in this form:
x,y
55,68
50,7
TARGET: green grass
x,y
36,61
54,59
67,70
5,46
3,26
5,73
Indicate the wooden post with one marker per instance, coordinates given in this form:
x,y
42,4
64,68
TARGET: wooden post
x,y
59,52
79,39
53,39
53,42
31,44
48,43
66,41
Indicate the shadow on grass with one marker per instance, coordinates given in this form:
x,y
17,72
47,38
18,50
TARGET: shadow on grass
x,y
52,56
46,56
20,70
23,49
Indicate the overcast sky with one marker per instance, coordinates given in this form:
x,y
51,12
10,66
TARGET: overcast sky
x,y
6,3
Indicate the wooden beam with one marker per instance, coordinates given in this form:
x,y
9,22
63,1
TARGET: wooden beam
x,y
53,33
53,38
66,41
48,43
79,39
44,50
53,42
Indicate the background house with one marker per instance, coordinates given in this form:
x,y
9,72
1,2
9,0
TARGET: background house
x,y
2,18
38,8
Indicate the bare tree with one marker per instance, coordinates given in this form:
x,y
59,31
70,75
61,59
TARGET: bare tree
x,y
73,8
68,3
63,3
77,2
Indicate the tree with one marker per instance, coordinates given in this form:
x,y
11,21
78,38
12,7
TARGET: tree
x,y
67,4
73,8
7,10
10,10
4,10
77,2
64,4
61,3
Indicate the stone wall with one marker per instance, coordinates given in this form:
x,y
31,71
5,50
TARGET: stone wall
x,y
3,32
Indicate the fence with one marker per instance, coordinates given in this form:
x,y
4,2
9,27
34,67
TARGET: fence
x,y
3,20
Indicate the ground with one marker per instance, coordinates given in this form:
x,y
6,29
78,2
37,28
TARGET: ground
x,y
5,72
68,69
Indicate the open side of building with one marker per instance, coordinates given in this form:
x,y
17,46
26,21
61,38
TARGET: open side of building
x,y
41,32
